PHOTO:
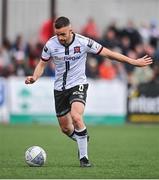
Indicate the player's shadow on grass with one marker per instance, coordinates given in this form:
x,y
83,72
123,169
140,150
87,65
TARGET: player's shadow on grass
x,y
61,165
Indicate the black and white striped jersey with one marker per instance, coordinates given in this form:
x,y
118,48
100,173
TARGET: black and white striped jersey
x,y
70,61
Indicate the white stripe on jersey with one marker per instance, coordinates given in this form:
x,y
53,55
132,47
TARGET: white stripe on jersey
x,y
70,66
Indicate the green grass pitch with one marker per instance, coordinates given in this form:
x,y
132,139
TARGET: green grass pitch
x,y
128,151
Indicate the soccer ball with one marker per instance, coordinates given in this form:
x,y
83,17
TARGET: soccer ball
x,y
35,156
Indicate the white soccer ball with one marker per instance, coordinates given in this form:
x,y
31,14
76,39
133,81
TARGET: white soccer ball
x,y
35,156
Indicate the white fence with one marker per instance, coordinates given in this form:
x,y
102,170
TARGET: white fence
x,y
106,101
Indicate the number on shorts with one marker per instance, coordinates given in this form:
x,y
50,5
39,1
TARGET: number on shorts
x,y
81,87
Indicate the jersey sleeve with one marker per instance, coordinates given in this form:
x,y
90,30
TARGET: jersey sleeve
x,y
46,54
93,47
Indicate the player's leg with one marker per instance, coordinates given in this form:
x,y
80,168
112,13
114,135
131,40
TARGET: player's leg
x,y
63,103
77,100
67,126
77,110
62,107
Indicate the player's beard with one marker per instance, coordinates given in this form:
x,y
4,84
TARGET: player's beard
x,y
63,42
66,42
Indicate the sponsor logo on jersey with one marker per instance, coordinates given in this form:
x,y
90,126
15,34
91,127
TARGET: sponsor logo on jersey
x,y
77,49
73,58
67,58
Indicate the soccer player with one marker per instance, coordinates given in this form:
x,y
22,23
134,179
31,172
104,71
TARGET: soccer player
x,y
68,51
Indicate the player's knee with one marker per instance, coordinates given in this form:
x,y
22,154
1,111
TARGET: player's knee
x,y
65,130
76,118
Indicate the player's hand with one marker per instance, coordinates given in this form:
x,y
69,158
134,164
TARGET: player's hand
x,y
30,80
144,61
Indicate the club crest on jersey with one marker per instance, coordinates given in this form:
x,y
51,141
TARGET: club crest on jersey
x,y
77,49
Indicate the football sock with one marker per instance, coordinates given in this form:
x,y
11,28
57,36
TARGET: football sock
x,y
81,138
72,135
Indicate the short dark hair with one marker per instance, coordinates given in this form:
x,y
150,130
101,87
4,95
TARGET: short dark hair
x,y
62,22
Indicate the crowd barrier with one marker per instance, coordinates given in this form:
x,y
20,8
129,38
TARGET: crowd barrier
x,y
108,102
21,103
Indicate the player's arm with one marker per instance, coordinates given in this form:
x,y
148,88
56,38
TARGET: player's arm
x,y
144,61
37,72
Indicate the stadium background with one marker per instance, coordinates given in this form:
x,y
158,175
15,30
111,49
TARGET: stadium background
x,y
34,12
26,21
124,96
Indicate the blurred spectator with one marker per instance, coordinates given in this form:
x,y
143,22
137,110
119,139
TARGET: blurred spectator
x,y
156,56
109,38
34,54
90,29
113,25
155,77
9,71
144,31
142,75
133,34
21,68
5,57
130,68
125,45
139,50
92,68
19,58
1,61
121,72
46,31
149,49
107,70
50,70
154,33
19,45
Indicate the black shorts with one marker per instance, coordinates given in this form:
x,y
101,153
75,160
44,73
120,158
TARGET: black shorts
x,y
64,99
